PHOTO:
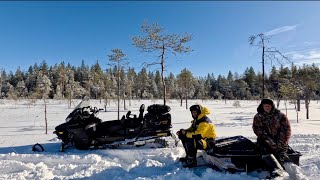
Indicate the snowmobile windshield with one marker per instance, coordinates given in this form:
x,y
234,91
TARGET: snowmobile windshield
x,y
84,103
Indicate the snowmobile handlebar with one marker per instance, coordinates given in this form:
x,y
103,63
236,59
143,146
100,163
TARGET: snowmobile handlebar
x,y
95,110
83,108
129,114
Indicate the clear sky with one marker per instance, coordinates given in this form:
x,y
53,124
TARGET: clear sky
x,y
31,32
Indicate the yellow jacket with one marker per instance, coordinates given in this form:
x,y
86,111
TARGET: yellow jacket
x,y
203,127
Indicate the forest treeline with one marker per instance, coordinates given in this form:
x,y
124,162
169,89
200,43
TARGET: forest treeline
x,y
67,81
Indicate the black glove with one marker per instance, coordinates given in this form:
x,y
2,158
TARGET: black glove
x,y
182,132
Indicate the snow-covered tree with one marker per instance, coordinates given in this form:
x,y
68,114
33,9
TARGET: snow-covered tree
x,y
21,89
171,86
12,93
142,83
43,89
185,81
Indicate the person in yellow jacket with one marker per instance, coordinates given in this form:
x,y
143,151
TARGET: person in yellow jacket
x,y
200,135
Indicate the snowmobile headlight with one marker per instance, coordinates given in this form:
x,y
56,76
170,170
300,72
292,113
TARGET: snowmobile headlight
x,y
60,132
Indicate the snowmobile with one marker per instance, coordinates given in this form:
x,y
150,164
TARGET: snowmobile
x,y
239,154
84,130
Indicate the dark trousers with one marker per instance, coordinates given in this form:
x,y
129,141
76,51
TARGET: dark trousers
x,y
280,153
191,145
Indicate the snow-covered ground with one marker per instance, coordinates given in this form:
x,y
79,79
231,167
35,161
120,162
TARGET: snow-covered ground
x,y
22,125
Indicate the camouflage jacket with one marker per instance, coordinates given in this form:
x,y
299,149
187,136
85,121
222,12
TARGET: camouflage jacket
x,y
274,125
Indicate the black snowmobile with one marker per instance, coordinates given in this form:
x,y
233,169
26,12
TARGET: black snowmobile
x,y
84,130
239,154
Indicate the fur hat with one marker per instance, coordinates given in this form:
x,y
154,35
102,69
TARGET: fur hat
x,y
267,101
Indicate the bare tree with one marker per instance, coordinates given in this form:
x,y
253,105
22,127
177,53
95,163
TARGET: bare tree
x,y
156,40
118,57
268,53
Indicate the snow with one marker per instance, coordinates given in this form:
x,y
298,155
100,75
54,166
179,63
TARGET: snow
x,y
22,125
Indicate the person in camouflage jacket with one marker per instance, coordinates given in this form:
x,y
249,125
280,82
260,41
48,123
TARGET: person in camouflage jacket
x,y
273,130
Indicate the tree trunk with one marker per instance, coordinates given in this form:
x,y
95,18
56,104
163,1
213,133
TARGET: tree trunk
x,y
105,108
69,102
307,113
278,101
307,106
262,69
162,79
130,97
298,104
181,101
45,115
124,102
186,102
118,91
285,104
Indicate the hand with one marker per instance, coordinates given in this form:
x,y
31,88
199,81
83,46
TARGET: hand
x,y
178,133
271,144
183,132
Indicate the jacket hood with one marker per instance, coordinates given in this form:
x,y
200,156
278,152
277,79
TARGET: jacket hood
x,y
204,111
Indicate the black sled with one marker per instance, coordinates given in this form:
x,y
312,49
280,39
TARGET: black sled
x,y
84,130
239,154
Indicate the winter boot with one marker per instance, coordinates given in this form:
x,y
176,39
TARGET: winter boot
x,y
275,167
190,162
183,159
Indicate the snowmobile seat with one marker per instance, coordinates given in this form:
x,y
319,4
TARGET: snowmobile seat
x,y
130,122
158,109
109,127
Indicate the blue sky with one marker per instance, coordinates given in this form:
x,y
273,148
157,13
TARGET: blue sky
x,y
31,32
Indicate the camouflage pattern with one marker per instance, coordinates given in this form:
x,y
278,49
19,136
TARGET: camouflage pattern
x,y
272,128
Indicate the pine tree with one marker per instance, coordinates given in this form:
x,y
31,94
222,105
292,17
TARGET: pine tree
x,y
250,78
131,76
118,58
142,83
157,41
171,86
185,81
